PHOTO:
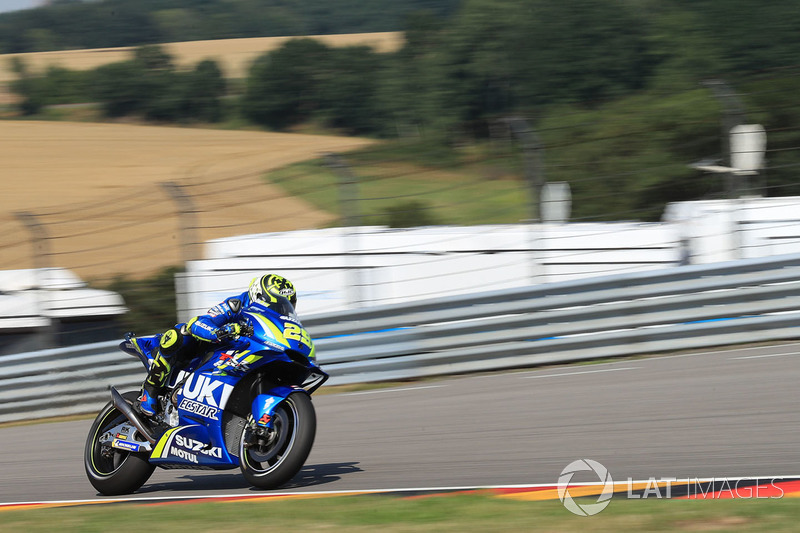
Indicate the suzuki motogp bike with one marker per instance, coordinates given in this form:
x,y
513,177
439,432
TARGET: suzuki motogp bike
x,y
245,403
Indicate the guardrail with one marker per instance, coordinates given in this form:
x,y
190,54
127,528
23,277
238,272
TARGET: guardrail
x,y
673,309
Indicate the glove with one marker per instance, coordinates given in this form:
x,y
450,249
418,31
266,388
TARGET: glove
x,y
228,331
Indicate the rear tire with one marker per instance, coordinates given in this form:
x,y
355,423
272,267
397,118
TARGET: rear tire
x,y
269,463
109,470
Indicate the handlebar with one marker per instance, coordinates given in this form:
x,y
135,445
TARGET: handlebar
x,y
245,330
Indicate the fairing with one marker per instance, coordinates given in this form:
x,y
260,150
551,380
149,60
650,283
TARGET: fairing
x,y
279,351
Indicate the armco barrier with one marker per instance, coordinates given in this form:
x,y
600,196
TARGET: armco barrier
x,y
673,309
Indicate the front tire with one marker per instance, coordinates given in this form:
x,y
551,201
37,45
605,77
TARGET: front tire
x,y
268,461
109,470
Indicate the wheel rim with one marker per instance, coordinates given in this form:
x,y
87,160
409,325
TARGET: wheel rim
x,y
263,458
105,459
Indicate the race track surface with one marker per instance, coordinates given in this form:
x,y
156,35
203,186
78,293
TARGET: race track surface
x,y
719,413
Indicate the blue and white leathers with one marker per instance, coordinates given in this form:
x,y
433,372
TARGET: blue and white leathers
x,y
205,327
236,384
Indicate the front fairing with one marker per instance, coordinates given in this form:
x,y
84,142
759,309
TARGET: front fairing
x,y
277,332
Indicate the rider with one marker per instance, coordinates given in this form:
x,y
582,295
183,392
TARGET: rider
x,y
177,345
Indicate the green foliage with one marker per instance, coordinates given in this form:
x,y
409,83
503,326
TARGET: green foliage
x,y
771,100
413,93
27,87
112,23
32,96
205,88
410,214
750,35
629,158
478,511
153,58
398,188
284,86
348,90
305,80
56,86
612,87
119,88
504,56
151,301
149,85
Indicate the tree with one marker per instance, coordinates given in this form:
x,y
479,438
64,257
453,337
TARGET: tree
x,y
751,35
119,87
203,92
284,86
505,55
28,87
348,89
412,91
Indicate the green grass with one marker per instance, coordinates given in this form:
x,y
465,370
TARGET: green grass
x,y
456,513
463,189
623,161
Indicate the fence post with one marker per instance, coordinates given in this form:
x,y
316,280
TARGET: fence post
x,y
41,263
348,203
733,114
39,239
534,174
534,169
186,220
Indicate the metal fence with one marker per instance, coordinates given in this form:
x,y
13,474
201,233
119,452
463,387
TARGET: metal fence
x,y
678,308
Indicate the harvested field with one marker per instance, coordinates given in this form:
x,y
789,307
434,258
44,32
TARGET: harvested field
x,y
95,191
233,55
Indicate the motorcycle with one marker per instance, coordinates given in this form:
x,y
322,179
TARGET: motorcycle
x,y
244,403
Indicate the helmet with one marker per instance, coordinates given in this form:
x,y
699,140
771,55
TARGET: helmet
x,y
267,287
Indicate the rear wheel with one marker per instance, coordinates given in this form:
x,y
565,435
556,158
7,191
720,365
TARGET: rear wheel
x,y
112,471
271,457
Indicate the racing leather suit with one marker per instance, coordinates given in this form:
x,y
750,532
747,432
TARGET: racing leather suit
x,y
175,347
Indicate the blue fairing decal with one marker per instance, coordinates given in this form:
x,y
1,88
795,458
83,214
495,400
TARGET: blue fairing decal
x,y
264,404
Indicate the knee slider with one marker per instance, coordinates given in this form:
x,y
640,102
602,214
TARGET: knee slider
x,y
171,341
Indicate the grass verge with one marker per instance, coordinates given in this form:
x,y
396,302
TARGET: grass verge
x,y
426,187
461,512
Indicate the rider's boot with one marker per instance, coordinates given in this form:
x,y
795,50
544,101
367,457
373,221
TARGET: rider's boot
x,y
154,385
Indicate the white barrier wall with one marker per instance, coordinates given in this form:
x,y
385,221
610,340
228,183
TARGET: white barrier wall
x,y
32,298
726,230
346,268
38,304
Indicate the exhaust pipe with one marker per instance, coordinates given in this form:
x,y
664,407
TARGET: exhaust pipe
x,y
126,409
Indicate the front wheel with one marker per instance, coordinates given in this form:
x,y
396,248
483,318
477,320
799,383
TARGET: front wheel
x,y
112,471
271,457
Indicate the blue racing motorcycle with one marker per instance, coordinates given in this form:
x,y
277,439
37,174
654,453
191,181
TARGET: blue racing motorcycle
x,y
245,403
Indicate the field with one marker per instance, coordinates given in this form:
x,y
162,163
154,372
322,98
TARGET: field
x,y
94,188
95,191
233,55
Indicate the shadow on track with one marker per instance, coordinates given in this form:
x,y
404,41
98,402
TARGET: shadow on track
x,y
309,476
312,475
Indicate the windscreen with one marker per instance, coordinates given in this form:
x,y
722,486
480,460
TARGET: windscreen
x,y
280,305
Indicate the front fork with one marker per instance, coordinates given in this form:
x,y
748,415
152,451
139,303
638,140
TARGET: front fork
x,y
262,431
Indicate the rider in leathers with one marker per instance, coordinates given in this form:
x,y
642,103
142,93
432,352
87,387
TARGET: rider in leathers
x,y
176,346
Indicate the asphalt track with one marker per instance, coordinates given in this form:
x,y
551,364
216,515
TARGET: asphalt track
x,y
706,414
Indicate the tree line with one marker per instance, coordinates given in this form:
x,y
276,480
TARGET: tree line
x,y
76,24
613,87
493,58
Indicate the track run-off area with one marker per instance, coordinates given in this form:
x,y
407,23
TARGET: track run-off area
x,y
727,413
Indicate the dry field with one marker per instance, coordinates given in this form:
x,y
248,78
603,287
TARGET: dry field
x,y
95,190
233,55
